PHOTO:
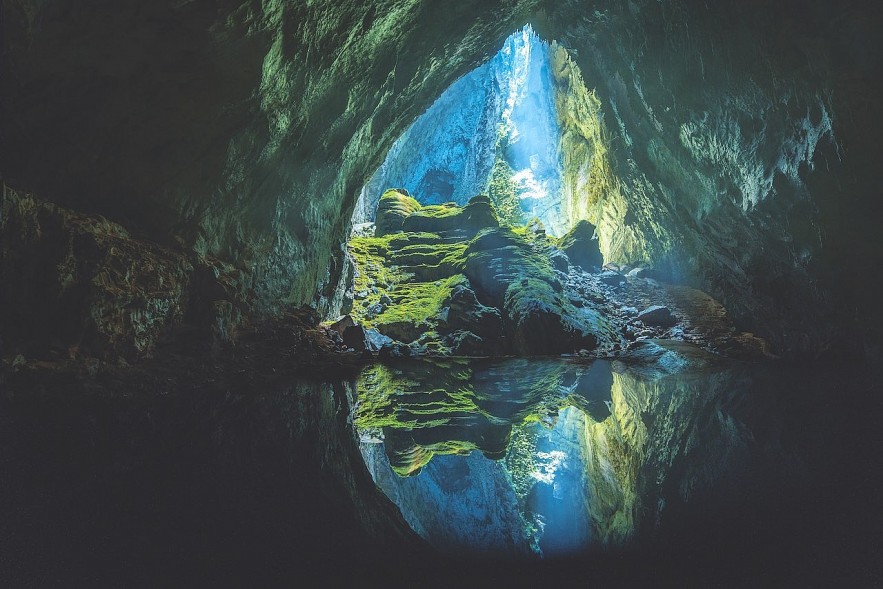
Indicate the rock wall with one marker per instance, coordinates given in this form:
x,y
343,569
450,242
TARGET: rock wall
x,y
741,134
724,130
241,130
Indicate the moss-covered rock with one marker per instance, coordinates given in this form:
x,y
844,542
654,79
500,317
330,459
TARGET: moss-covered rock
x,y
430,261
472,328
513,273
581,246
475,216
394,207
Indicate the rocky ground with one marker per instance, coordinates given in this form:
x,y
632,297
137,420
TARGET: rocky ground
x,y
445,280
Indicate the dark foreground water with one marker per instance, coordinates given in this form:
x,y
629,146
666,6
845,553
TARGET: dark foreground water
x,y
520,471
562,459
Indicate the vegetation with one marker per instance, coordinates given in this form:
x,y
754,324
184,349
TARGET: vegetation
x,y
405,280
418,302
504,195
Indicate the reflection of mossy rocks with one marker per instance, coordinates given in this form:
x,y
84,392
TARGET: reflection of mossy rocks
x,y
476,215
581,246
393,209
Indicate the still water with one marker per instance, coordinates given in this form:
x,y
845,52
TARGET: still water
x,y
747,474
550,458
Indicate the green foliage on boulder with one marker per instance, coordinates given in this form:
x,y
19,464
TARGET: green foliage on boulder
x,y
453,281
394,207
476,215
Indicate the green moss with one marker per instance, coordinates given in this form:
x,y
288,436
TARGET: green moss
x,y
418,302
394,207
430,261
501,258
476,215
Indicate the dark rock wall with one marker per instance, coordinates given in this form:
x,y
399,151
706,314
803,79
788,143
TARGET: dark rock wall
x,y
741,133
237,129
729,140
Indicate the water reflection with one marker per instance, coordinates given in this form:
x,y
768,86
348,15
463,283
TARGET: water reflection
x,y
554,457
486,456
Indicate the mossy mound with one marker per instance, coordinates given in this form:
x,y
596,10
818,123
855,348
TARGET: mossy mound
x,y
475,216
453,281
513,272
430,261
394,207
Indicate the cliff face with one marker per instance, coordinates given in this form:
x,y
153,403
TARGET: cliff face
x,y
737,136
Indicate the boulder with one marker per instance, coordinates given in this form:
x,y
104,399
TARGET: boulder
x,y
376,340
559,261
581,246
394,350
475,216
466,343
466,313
658,316
394,207
611,278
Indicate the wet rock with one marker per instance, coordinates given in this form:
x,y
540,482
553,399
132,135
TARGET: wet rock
x,y
611,278
581,246
638,273
559,261
403,331
658,315
351,334
374,310
466,343
465,312
376,340
82,281
510,273
342,323
666,356
395,350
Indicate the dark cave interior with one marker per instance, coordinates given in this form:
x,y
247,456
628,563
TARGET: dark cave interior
x,y
509,291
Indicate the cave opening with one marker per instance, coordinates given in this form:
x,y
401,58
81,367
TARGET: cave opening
x,y
600,300
486,242
522,128
494,131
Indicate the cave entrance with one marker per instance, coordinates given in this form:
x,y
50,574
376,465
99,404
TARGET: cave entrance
x,y
495,131
464,236
480,242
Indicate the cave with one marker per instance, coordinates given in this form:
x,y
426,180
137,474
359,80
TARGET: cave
x,y
298,293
